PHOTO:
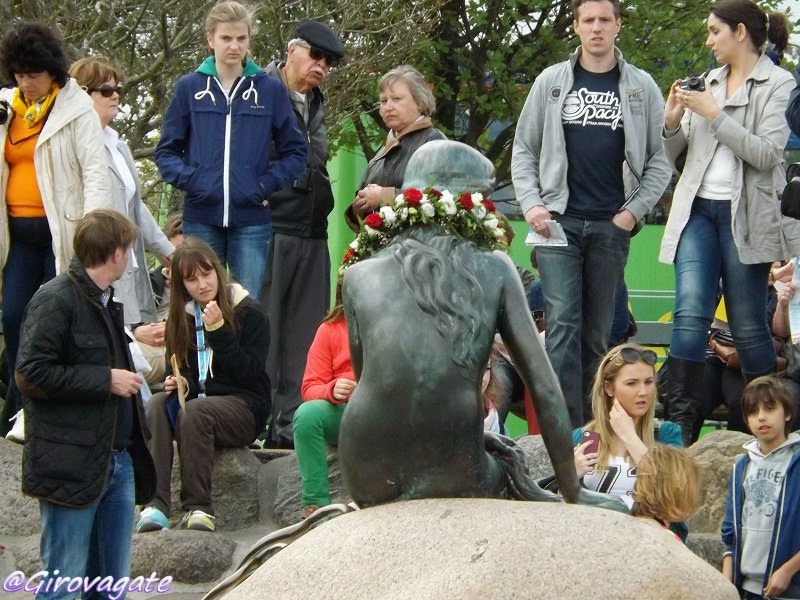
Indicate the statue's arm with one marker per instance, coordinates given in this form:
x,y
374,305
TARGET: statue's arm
x,y
527,351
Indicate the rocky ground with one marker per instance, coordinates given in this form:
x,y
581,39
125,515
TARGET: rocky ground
x,y
256,492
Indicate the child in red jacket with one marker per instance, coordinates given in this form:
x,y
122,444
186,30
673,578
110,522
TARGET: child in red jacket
x,y
328,383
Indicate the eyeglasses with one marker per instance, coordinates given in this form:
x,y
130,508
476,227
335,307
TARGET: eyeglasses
x,y
632,355
317,54
106,91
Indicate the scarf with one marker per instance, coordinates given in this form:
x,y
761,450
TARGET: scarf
x,y
32,114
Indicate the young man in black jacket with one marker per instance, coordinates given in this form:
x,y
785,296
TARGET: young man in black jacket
x,y
85,457
296,290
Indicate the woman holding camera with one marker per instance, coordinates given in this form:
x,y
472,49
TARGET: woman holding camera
x,y
725,220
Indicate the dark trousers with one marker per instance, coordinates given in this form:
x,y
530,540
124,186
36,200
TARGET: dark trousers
x,y
207,423
30,263
296,295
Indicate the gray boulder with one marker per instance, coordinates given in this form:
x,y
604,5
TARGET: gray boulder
x,y
18,514
234,490
707,546
715,453
286,507
461,548
186,556
539,465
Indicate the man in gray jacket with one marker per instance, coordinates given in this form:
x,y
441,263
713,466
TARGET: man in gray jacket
x,y
296,291
588,156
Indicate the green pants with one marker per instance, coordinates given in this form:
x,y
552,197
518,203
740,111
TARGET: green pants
x,y
316,423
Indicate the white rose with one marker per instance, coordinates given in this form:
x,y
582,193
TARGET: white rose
x,y
404,214
370,231
388,214
490,223
448,204
428,209
354,244
498,233
477,198
479,210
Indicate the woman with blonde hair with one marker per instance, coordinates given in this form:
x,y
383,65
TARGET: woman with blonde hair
x,y
623,403
229,140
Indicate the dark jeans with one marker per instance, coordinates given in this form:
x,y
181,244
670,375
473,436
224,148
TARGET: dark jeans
x,y
580,282
30,263
208,423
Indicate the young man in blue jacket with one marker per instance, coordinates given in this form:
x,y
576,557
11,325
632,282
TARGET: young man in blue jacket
x,y
761,529
230,140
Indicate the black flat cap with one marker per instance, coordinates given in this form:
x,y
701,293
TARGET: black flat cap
x,y
320,36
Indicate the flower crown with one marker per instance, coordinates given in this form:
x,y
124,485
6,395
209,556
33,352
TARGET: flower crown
x,y
470,216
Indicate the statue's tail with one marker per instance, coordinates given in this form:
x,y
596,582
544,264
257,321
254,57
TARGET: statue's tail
x,y
511,458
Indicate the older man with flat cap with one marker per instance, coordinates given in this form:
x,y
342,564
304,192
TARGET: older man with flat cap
x,y
296,288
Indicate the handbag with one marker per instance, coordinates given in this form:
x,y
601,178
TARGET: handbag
x,y
721,344
790,198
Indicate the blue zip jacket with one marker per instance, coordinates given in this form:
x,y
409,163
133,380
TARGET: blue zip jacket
x,y
785,542
217,149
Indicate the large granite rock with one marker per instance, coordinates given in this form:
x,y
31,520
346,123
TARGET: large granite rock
x,y
466,548
286,508
715,453
19,514
707,546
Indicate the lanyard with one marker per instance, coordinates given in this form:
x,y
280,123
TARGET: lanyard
x,y
203,351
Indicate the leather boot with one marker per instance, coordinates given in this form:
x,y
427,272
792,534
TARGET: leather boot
x,y
682,393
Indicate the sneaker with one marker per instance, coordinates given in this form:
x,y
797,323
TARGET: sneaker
x,y
17,432
198,520
152,519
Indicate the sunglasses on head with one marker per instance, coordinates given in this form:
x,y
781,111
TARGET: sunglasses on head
x,y
632,355
106,91
317,54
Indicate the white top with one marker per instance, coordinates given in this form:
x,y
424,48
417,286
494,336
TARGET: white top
x,y
111,139
617,480
718,179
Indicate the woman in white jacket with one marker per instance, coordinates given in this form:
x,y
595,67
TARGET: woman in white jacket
x,y
725,220
101,80
52,171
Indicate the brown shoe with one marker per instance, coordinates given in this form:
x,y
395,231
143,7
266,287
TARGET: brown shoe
x,y
309,510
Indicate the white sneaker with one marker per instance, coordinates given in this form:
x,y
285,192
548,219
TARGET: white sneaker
x,y
17,433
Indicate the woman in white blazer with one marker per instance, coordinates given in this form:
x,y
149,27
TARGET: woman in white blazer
x,y
52,171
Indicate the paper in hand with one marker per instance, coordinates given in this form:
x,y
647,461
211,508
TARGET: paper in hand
x,y
557,236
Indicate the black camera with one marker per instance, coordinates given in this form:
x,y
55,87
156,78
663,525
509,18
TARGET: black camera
x,y
694,83
4,108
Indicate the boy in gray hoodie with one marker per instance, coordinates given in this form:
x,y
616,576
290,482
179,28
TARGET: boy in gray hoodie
x,y
761,528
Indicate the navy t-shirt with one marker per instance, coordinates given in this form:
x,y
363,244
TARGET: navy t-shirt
x,y
595,142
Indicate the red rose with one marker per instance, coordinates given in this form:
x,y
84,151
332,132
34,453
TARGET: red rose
x,y
466,201
489,205
348,256
412,196
374,220
435,193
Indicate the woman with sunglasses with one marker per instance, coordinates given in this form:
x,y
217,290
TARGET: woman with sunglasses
x,y
52,171
623,403
101,80
406,105
229,140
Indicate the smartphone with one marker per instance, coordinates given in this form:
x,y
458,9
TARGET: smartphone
x,y
594,438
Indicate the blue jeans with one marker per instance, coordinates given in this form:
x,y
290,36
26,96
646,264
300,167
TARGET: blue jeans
x,y
94,541
706,252
242,249
579,283
30,263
